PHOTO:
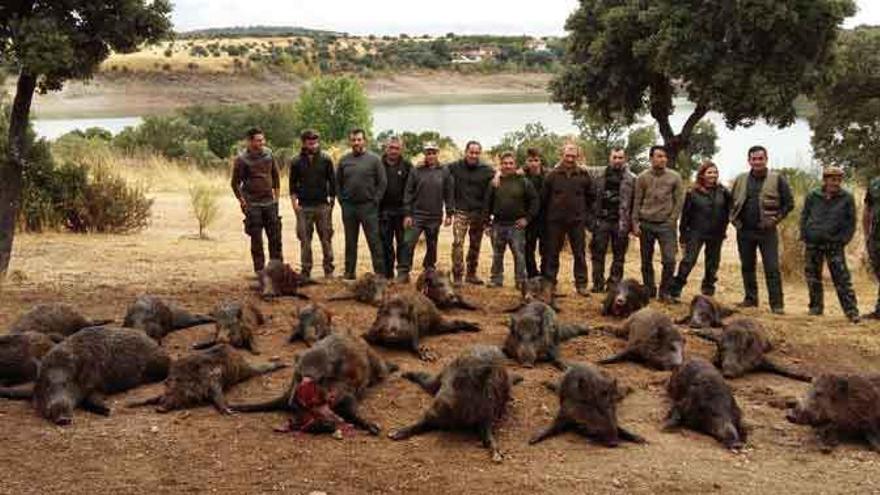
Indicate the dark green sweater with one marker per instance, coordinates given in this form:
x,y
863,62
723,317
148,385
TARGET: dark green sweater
x,y
828,220
513,199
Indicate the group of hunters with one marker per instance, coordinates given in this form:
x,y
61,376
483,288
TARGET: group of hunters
x,y
535,209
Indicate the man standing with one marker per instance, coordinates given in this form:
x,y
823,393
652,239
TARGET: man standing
x,y
613,204
511,206
361,181
312,194
256,185
871,228
471,178
659,195
429,190
568,200
534,171
391,210
761,199
828,222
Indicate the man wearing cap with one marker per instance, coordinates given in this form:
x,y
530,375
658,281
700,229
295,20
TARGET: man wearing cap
x,y
256,185
361,180
391,211
471,178
429,190
312,193
761,199
871,228
828,222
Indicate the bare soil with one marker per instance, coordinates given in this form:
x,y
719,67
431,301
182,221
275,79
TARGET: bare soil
x,y
140,451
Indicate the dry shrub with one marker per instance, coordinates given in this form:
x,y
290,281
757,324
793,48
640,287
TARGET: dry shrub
x,y
203,198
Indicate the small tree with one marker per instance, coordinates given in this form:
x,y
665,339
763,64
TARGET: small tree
x,y
48,43
333,106
744,59
846,126
205,207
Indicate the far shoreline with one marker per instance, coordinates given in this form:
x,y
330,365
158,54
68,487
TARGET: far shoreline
x,y
153,94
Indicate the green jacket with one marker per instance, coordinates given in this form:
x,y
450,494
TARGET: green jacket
x,y
828,220
514,198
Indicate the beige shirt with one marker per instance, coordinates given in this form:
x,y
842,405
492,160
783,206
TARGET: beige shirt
x,y
658,197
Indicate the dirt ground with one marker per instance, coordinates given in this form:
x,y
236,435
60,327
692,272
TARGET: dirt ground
x,y
140,451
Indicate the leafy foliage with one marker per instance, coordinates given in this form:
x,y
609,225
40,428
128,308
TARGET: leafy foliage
x,y
414,141
333,106
846,126
746,60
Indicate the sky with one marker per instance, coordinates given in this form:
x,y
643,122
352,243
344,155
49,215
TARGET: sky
x,y
381,17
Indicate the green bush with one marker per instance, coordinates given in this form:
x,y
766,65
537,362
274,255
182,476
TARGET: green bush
x,y
162,134
109,205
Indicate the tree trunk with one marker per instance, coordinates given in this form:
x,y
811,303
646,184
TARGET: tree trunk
x,y
661,106
11,171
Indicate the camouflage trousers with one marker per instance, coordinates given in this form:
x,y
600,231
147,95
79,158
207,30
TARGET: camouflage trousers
x,y
816,256
503,236
470,225
308,220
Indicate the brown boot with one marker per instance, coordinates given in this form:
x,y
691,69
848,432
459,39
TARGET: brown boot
x,y
473,279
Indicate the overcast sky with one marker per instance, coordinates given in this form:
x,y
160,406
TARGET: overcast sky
x,y
542,17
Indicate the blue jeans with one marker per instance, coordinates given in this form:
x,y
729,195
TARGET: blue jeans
x,y
505,235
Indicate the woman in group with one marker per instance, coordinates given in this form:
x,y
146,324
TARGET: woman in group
x,y
703,222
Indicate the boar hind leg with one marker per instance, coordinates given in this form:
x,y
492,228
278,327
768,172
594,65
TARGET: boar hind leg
x,y
347,410
423,425
558,426
95,403
629,436
489,442
828,438
427,382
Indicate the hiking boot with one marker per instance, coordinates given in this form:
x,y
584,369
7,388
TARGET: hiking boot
x,y
597,290
349,276
456,282
474,280
583,292
777,311
854,319
815,312
329,276
492,285
747,304
402,279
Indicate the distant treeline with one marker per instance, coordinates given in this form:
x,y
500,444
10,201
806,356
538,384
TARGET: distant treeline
x,y
256,32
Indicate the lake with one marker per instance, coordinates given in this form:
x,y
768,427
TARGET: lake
x,y
488,122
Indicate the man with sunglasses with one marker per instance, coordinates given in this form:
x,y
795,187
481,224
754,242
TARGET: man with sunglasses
x,y
429,191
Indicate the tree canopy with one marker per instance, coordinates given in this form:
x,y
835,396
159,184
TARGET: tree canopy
x,y
333,106
846,126
49,42
747,60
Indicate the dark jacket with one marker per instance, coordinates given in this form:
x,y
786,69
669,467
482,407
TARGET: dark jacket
x,y
828,220
760,203
255,177
514,198
397,176
312,179
471,182
568,196
627,186
537,183
361,178
705,214
428,191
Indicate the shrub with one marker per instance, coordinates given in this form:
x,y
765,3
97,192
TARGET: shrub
x,y
109,205
204,204
792,255
165,135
